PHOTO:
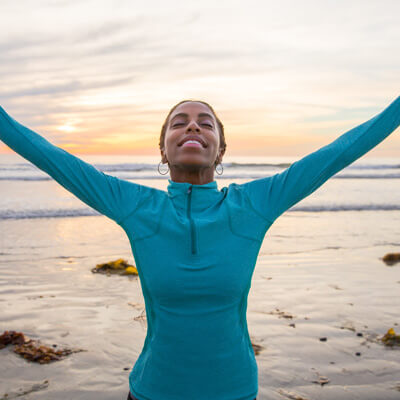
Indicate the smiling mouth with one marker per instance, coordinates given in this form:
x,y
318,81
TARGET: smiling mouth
x,y
190,143
192,139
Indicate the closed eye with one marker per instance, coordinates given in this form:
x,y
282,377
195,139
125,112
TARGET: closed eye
x,y
210,126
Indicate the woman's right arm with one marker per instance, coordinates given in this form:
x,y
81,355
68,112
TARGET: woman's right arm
x,y
116,198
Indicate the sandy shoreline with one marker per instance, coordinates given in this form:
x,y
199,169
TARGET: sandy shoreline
x,y
333,288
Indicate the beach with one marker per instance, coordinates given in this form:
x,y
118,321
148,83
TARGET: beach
x,y
321,296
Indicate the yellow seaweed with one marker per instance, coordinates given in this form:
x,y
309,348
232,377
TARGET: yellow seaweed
x,y
119,266
131,271
390,338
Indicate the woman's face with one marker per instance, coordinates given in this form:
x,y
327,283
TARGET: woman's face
x,y
196,121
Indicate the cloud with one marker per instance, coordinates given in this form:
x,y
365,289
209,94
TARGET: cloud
x,y
304,63
67,87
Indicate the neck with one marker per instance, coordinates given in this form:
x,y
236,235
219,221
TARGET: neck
x,y
196,177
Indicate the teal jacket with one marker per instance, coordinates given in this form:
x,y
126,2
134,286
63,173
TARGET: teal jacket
x,y
195,248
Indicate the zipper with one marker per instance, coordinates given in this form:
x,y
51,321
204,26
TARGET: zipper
x,y
192,227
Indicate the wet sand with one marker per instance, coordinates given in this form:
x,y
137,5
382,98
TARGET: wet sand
x,y
322,270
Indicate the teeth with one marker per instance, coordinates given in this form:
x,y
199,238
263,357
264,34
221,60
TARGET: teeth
x,y
192,141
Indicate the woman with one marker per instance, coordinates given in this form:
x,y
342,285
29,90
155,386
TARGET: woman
x,y
195,246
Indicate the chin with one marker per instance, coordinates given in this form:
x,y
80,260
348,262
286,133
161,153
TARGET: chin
x,y
193,161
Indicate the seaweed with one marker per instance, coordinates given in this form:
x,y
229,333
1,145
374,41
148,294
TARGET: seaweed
x,y
11,337
391,258
119,267
257,348
281,314
390,338
33,350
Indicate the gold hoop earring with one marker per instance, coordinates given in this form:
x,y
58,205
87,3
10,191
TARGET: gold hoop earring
x,y
160,171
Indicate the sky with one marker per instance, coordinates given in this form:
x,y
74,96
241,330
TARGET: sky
x,y
285,78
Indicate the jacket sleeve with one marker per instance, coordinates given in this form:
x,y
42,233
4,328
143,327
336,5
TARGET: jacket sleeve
x,y
273,195
109,195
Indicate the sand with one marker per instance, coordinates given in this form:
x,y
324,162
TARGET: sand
x,y
322,270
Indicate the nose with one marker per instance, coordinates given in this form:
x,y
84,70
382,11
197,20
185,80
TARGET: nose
x,y
193,126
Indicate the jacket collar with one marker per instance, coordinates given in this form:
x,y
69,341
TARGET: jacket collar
x,y
202,196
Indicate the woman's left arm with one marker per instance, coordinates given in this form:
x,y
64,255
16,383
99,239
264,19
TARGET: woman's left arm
x,y
273,195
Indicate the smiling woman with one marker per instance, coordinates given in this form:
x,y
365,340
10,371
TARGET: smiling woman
x,y
196,246
192,142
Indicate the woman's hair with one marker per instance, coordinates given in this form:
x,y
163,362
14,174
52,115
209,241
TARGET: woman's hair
x,y
219,123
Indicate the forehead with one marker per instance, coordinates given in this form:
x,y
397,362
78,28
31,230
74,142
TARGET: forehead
x,y
192,108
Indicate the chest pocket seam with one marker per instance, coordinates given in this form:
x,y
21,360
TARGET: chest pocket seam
x,y
231,227
137,237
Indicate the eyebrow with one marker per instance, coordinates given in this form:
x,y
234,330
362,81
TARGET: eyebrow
x,y
186,115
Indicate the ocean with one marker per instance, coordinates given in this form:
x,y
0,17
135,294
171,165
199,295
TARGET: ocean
x,y
28,192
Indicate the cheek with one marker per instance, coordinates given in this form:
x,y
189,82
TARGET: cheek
x,y
168,139
171,142
213,139
172,136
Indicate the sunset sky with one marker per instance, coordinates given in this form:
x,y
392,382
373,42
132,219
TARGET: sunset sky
x,y
285,78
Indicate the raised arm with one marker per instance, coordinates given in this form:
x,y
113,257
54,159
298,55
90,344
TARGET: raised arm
x,y
109,195
273,195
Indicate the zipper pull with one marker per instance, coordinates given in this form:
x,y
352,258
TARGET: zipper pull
x,y
189,189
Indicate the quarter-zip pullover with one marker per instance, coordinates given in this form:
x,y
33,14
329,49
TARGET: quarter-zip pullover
x,y
195,249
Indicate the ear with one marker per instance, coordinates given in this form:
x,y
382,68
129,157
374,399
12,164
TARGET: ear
x,y
163,156
221,154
